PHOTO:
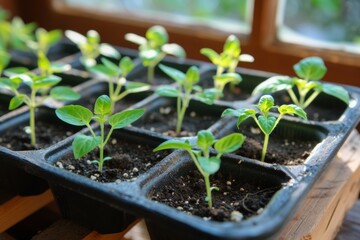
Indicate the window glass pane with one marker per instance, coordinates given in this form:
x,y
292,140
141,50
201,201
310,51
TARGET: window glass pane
x,y
331,24
232,16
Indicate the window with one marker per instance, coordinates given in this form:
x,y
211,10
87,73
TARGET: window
x,y
333,24
232,16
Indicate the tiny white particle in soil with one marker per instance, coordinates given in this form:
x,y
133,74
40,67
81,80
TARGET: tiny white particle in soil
x,y
152,129
255,130
133,179
228,183
113,141
186,202
236,216
242,189
71,167
180,208
93,177
260,210
96,174
125,175
225,193
192,114
236,204
68,133
60,165
148,164
88,162
139,146
135,169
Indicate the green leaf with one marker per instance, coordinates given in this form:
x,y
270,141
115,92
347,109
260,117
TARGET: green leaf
x,y
205,139
175,74
62,93
292,109
15,71
125,118
109,51
134,38
241,114
16,101
232,45
266,102
208,96
45,81
274,84
192,75
228,78
210,165
83,144
211,54
74,114
112,68
54,36
75,37
126,65
59,67
267,124
135,87
103,106
157,35
336,91
11,84
148,55
311,68
103,70
229,143
174,144
167,91
174,49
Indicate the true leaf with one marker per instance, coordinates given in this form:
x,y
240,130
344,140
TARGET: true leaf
x,y
157,35
274,84
209,165
311,68
74,115
192,75
292,109
103,106
175,74
266,102
83,144
16,102
267,124
11,84
15,71
62,93
45,81
125,118
103,70
228,77
167,91
205,139
173,144
112,67
126,65
229,143
211,54
336,91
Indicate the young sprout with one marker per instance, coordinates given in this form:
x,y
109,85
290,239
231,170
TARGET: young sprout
x,y
227,62
116,76
90,47
39,84
185,90
200,153
154,47
4,59
309,71
80,116
265,120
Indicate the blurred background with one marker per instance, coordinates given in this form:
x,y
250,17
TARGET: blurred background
x,y
278,33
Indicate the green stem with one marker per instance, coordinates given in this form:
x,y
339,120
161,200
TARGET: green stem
x,y
111,93
32,117
266,141
310,99
208,190
101,148
293,97
181,114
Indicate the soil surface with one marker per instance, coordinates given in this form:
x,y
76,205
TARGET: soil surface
x,y
280,150
128,161
47,134
164,119
236,200
230,93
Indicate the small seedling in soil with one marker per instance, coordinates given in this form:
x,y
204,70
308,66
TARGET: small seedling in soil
x,y
185,90
4,60
15,33
309,71
227,62
90,47
265,121
80,116
116,77
39,84
154,47
200,153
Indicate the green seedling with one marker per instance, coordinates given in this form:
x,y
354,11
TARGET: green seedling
x,y
185,90
116,77
200,153
90,47
80,116
39,84
15,33
4,60
309,71
263,118
227,62
154,47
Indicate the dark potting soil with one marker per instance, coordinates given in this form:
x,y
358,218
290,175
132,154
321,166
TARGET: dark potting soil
x,y
164,121
280,150
128,160
47,134
230,93
234,201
